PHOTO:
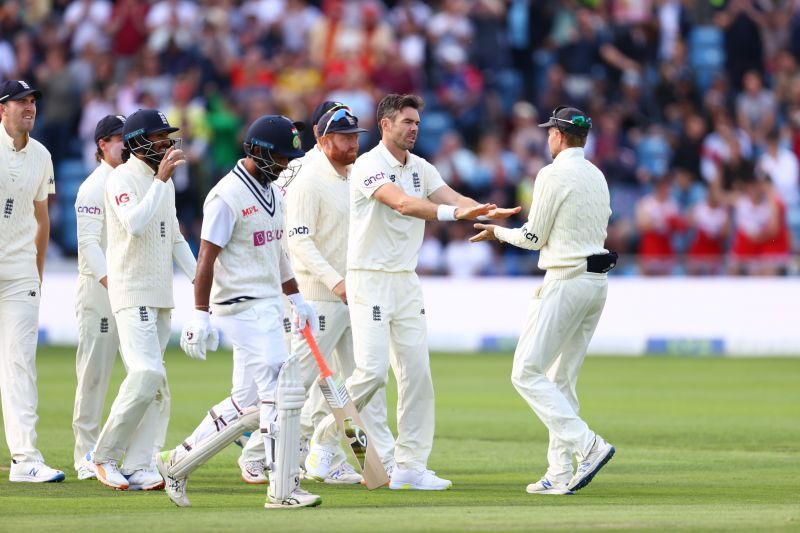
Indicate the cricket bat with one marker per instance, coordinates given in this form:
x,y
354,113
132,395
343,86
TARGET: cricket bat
x,y
348,420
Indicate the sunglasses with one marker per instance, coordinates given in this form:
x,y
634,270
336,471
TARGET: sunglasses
x,y
339,114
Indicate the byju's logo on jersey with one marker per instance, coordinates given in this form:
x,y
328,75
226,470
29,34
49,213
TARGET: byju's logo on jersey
x,y
262,237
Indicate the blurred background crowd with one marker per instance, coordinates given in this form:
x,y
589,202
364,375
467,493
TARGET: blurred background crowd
x,y
695,104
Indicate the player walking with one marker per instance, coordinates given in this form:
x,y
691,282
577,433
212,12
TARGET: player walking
x,y
392,192
567,222
143,240
317,223
242,271
97,329
25,183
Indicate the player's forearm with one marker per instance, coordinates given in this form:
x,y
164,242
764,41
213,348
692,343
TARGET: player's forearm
x,y
185,258
42,240
519,237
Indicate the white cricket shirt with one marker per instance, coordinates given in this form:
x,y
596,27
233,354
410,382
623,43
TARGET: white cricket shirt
x,y
90,210
25,176
380,238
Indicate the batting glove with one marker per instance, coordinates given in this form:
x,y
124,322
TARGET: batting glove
x,y
304,313
198,335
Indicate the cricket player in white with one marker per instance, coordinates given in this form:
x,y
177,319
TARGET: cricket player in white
x,y
26,180
567,222
392,193
318,215
242,272
97,330
143,240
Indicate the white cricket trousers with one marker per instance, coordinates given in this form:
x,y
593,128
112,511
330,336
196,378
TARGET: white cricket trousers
x,y
94,360
137,423
387,314
335,341
258,353
19,333
561,320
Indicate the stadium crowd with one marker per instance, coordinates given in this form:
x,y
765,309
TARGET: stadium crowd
x,y
696,105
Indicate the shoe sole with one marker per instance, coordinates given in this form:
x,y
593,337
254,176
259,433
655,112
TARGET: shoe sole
x,y
590,476
250,480
102,479
157,486
315,503
410,486
58,478
552,492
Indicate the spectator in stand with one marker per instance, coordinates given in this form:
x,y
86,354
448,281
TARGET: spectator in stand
x,y
85,22
780,165
755,108
716,148
59,105
459,89
174,21
431,254
690,144
456,164
579,56
757,222
658,220
742,22
128,30
463,259
710,221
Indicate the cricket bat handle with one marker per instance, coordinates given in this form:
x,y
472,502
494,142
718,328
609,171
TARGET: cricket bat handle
x,y
324,371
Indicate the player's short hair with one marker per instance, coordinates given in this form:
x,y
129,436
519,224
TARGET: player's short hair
x,y
574,141
391,104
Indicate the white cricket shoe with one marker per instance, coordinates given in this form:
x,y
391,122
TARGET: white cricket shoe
x,y
109,475
34,472
253,471
319,462
600,453
545,486
85,467
297,499
176,487
417,479
344,474
145,479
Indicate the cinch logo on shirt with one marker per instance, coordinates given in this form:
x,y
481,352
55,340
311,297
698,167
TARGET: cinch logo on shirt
x,y
247,211
375,178
300,230
260,238
530,236
122,198
90,210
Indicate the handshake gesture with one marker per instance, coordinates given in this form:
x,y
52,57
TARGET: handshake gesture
x,y
198,335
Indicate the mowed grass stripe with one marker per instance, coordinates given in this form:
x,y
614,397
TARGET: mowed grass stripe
x,y
701,444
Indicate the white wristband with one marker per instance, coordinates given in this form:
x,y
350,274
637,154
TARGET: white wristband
x,y
482,218
446,212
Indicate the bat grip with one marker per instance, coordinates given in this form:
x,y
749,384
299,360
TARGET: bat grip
x,y
324,371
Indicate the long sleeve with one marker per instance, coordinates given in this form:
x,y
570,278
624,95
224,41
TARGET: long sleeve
x,y
90,215
133,214
534,233
182,253
303,208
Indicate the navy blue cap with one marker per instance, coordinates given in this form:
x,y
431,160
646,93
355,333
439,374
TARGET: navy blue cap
x,y
338,121
276,133
145,122
109,125
323,108
570,120
16,89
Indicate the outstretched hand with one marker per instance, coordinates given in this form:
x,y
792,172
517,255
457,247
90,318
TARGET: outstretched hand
x,y
500,213
487,233
470,213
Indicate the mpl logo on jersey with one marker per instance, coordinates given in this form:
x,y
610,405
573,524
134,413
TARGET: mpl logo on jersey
x,y
262,237
89,210
247,211
122,199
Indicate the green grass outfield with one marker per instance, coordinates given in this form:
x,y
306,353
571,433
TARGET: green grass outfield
x,y
701,444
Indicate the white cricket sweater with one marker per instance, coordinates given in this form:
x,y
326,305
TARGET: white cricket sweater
x,y
90,211
25,176
568,218
143,238
317,218
253,264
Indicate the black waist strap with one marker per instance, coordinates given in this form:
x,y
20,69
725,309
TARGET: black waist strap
x,y
601,263
237,300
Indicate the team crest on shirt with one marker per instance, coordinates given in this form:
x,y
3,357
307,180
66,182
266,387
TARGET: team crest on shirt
x,y
417,184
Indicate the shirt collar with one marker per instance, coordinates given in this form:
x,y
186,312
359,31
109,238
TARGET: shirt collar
x,y
569,153
387,155
140,167
7,141
240,166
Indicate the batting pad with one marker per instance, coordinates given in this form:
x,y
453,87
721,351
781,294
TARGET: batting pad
x,y
290,397
213,444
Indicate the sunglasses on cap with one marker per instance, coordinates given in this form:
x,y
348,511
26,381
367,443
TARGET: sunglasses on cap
x,y
577,120
339,114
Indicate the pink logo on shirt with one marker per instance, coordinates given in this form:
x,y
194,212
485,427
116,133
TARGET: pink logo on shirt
x,y
258,238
